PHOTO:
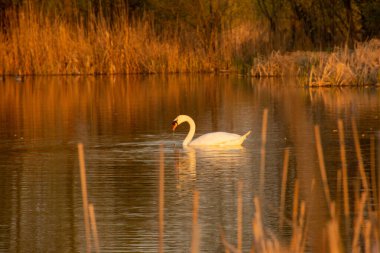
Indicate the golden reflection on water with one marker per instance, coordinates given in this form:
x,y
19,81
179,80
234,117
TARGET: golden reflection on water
x,y
56,104
122,121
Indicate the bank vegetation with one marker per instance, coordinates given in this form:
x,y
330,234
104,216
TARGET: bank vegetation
x,y
332,44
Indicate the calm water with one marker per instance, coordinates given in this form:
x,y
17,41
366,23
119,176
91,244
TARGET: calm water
x,y
123,122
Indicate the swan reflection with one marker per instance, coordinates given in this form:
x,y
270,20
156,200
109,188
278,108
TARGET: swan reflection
x,y
192,163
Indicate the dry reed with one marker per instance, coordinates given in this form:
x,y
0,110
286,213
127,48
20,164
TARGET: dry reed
x,y
363,236
346,207
340,67
36,44
262,150
161,201
86,217
335,244
359,156
373,171
93,227
283,185
240,217
295,203
257,229
358,222
196,231
322,164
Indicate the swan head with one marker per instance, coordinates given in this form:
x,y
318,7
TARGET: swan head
x,y
179,120
176,122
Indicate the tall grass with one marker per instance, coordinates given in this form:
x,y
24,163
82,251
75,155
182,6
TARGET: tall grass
x,y
40,44
341,67
37,43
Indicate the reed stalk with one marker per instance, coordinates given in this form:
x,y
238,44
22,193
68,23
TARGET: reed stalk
x,y
296,243
196,231
84,196
378,186
322,164
303,225
262,150
367,236
295,203
240,217
338,190
283,185
373,171
257,228
335,244
93,227
359,156
344,171
358,222
161,201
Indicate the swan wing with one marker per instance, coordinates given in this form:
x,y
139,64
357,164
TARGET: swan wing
x,y
219,139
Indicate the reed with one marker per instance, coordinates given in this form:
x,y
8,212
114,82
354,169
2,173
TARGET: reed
x,y
373,171
283,185
37,44
358,222
94,227
86,217
295,203
341,67
362,237
259,243
346,207
338,189
322,164
161,202
240,217
196,231
359,156
335,244
296,234
263,150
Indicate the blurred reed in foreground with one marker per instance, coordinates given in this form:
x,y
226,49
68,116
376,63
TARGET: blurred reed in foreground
x,y
358,232
342,232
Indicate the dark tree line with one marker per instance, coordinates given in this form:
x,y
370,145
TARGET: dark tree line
x,y
325,23
292,24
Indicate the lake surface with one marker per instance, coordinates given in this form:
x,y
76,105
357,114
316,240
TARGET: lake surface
x,y
125,123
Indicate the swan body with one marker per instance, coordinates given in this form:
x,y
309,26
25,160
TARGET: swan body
x,y
210,139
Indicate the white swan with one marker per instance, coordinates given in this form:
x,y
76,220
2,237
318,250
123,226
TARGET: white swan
x,y
210,139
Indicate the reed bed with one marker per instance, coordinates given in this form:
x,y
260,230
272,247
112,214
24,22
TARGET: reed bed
x,y
40,44
341,67
358,231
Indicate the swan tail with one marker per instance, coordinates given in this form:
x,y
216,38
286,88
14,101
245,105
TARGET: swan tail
x,y
246,135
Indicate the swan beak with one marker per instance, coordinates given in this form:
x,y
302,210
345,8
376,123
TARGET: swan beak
x,y
174,125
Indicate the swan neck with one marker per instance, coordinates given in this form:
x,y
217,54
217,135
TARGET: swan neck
x,y
191,133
